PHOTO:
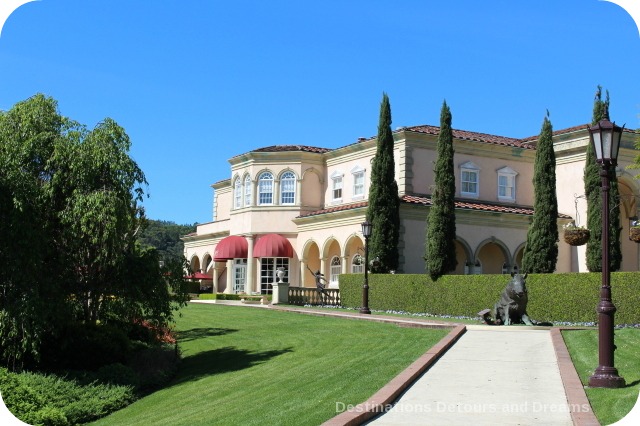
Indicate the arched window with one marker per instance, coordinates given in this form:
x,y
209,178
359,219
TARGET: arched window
x,y
288,188
237,194
357,264
247,191
334,271
265,188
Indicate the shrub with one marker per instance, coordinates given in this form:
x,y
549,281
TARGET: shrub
x,y
566,297
118,374
52,400
208,296
85,347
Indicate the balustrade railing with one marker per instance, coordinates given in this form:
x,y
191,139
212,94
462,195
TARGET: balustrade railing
x,y
311,296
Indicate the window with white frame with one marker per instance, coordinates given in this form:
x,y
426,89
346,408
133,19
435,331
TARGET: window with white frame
x,y
268,268
336,188
469,180
288,188
247,191
265,188
507,184
357,264
334,271
358,182
237,193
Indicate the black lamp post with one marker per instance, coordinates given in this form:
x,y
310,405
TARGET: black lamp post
x,y
606,141
367,228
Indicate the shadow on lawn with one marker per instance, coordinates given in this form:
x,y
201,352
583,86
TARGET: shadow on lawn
x,y
199,333
221,360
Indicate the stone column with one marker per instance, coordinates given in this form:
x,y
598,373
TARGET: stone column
x,y
250,265
323,265
214,271
230,277
303,271
344,265
298,200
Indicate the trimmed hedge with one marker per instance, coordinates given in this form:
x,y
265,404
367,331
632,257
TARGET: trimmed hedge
x,y
566,297
223,296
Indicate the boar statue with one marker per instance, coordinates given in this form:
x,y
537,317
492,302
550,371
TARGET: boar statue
x,y
512,306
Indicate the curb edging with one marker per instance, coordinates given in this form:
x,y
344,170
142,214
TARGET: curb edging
x,y
390,392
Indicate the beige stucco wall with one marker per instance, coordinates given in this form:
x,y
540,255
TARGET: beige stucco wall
x,y
489,237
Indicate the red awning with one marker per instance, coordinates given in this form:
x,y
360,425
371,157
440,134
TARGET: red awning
x,y
231,247
273,245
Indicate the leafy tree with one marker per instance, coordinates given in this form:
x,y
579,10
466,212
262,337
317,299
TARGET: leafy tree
x,y
69,219
29,260
541,251
592,183
384,205
164,236
441,222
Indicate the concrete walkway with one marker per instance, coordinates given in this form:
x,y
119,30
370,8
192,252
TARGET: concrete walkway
x,y
476,375
491,376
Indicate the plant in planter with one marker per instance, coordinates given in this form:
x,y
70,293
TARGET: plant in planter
x,y
575,235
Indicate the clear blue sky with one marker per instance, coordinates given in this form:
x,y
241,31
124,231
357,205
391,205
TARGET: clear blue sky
x,y
197,82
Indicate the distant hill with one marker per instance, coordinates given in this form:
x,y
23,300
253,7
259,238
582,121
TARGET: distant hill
x,y
165,237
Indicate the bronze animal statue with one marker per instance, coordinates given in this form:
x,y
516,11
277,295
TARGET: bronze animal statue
x,y
512,306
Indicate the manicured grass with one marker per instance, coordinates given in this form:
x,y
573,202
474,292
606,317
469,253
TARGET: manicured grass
x,y
609,405
247,366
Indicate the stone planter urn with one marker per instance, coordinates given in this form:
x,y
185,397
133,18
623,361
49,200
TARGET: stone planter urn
x,y
280,274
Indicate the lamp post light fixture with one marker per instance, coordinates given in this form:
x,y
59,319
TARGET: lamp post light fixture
x,y
367,229
606,141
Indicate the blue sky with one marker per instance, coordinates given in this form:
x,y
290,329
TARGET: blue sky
x,y
197,82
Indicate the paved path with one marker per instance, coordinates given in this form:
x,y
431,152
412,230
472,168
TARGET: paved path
x,y
491,376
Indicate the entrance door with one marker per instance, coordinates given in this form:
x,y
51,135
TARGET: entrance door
x,y
239,275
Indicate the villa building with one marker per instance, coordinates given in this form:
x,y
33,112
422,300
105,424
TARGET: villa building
x,y
300,207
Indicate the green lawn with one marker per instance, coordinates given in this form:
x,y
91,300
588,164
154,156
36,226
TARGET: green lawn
x,y
609,405
247,366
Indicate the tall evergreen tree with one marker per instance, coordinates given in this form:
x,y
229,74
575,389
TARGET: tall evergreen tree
x,y
384,204
541,251
440,247
592,182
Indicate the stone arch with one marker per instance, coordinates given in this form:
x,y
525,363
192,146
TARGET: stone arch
x,y
464,256
312,191
330,249
311,260
315,171
517,257
207,264
354,244
194,263
492,255
629,191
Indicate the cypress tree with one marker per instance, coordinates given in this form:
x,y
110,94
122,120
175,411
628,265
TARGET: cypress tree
x,y
440,247
592,182
384,205
541,251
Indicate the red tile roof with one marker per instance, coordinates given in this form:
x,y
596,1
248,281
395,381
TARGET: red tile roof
x,y
339,208
472,136
426,200
569,130
284,148
477,205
